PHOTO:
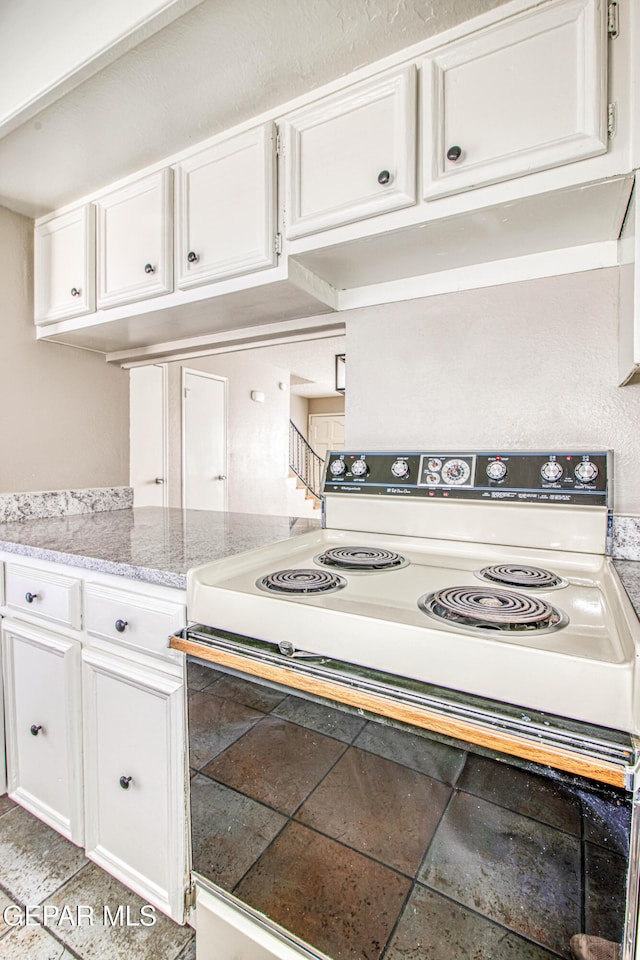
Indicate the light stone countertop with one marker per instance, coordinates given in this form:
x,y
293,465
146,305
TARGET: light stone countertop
x,y
629,573
147,543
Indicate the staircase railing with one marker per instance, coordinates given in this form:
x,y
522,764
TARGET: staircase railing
x,y
304,461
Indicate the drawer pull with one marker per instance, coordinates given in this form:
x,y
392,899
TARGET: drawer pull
x,y
121,625
149,268
124,782
30,597
35,729
454,154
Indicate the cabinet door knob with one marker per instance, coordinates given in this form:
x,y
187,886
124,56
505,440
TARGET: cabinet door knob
x,y
192,257
35,729
121,625
221,476
149,268
30,597
75,291
384,178
159,480
124,782
454,153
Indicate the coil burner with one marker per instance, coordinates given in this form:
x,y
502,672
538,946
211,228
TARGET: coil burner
x,y
361,559
518,575
491,609
301,582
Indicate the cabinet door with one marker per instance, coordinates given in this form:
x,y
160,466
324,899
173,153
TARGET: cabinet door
x,y
64,267
225,198
135,778
351,155
135,241
44,737
520,96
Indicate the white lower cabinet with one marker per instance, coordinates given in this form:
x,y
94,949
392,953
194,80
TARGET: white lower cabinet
x,y
95,720
135,777
44,739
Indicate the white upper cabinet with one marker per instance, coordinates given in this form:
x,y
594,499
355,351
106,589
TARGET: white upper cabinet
x,y
226,209
520,96
135,241
351,155
65,266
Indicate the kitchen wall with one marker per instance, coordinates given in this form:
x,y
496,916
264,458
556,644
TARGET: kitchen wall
x,y
257,433
64,420
527,365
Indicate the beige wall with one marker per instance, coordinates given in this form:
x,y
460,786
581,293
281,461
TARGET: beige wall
x,y
326,405
257,433
299,413
64,419
526,366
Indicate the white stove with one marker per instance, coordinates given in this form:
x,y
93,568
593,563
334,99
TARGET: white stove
x,y
483,573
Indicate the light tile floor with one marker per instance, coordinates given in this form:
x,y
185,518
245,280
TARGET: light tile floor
x,y
40,868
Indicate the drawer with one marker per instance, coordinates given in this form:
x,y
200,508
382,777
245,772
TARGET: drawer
x,y
44,595
133,620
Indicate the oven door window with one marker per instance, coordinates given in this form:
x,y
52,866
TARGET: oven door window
x,y
366,839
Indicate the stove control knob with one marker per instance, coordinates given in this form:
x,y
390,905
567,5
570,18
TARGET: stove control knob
x,y
400,469
496,470
551,471
337,468
359,468
586,471
432,479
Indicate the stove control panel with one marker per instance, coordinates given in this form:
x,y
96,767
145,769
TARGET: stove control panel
x,y
545,477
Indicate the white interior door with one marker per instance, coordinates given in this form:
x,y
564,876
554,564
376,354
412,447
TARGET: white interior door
x,y
148,435
326,432
204,441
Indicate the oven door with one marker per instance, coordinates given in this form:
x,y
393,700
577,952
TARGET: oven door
x,y
323,828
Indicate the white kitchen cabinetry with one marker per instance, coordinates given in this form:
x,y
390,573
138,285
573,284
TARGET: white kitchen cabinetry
x,y
351,155
64,255
520,96
44,595
93,694
135,241
134,777
44,739
226,209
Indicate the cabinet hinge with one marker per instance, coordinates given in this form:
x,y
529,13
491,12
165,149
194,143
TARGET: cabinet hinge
x,y
279,149
613,26
277,244
189,898
611,120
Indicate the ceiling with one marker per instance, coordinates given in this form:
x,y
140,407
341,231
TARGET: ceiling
x,y
311,364
221,63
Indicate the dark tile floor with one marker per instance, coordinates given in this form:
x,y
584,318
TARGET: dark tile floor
x,y
372,842
40,868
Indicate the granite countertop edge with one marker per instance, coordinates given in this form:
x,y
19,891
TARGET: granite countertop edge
x,y
163,578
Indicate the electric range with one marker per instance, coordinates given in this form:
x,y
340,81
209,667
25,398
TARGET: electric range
x,y
457,611
478,572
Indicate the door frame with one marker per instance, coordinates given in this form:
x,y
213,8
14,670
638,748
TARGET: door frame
x,y
183,419
165,430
